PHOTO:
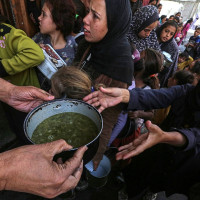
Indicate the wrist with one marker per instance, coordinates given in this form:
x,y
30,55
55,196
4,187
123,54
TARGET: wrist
x,y
125,96
5,90
175,139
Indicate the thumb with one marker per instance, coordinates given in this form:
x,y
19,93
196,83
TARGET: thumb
x,y
148,124
105,90
41,94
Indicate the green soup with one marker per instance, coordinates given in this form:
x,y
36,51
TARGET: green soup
x,y
76,129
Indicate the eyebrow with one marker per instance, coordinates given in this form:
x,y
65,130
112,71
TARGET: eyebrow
x,y
95,12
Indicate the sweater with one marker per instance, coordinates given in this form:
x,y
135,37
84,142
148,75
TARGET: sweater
x,y
19,54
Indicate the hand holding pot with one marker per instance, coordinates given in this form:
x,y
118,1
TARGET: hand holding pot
x,y
31,169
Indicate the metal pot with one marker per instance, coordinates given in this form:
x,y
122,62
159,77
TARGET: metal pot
x,y
48,109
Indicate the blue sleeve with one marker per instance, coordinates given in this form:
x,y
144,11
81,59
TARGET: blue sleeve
x,y
197,39
156,98
193,138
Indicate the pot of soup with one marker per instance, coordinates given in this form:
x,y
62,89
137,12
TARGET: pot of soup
x,y
75,121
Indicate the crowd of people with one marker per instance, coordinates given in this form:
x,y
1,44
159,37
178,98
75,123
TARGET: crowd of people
x,y
127,55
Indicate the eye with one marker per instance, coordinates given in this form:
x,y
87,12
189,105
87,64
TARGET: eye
x,y
95,16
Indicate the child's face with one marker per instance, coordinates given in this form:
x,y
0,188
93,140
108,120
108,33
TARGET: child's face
x,y
197,32
181,59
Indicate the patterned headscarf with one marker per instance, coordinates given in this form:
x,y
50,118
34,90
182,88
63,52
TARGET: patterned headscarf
x,y
142,18
112,55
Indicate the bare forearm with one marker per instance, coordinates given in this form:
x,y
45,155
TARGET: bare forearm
x,y
175,139
3,169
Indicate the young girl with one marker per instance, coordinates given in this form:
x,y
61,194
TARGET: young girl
x,y
70,82
56,25
165,35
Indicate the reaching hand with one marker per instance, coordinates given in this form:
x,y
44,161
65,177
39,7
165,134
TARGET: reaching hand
x,y
107,97
25,98
31,169
143,142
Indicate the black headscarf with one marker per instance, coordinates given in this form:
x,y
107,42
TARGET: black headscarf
x,y
112,55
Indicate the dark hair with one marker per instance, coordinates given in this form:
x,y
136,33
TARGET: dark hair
x,y
171,16
63,14
184,55
78,24
159,5
196,68
163,17
165,25
183,77
4,19
150,64
177,19
197,28
177,13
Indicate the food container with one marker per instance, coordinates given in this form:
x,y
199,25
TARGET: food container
x,y
48,109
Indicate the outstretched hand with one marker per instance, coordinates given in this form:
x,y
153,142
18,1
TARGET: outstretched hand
x,y
154,136
25,98
107,97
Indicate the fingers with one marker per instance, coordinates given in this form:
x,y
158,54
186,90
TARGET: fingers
x,y
73,163
90,96
101,109
41,94
57,147
73,179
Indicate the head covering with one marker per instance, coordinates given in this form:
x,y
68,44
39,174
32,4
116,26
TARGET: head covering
x,y
112,55
170,47
142,18
159,30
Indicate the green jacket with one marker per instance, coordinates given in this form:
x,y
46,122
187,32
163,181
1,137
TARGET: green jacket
x,y
19,54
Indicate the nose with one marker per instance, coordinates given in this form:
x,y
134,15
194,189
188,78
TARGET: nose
x,y
148,33
85,19
40,17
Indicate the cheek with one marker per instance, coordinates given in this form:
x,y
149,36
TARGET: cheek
x,y
141,34
99,32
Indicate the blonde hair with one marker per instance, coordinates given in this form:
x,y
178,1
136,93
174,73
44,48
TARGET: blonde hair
x,y
72,82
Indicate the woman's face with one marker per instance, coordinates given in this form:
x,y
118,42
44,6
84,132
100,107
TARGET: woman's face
x,y
167,33
159,9
95,22
146,32
47,26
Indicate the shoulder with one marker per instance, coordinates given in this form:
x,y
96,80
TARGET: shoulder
x,y
39,38
71,41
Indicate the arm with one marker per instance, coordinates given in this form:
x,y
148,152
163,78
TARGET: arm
x,y
146,115
157,98
137,99
19,54
153,137
23,98
31,169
